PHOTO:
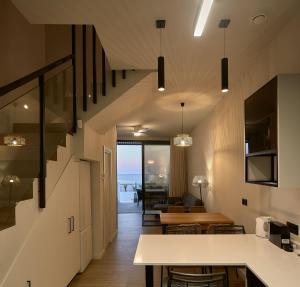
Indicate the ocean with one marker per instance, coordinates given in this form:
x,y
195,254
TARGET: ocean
x,y
130,178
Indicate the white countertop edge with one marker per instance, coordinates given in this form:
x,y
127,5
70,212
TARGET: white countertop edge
x,y
246,264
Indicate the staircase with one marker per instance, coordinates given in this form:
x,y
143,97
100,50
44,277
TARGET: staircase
x,y
35,123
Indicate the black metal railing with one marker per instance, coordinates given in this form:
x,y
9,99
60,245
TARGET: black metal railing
x,y
56,95
40,76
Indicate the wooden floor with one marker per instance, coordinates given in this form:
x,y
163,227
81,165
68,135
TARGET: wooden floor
x,y
115,269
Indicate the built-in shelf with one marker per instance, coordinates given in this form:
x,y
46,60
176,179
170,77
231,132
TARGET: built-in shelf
x,y
272,134
262,153
267,183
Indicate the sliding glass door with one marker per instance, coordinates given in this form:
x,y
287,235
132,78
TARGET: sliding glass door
x,y
156,167
143,170
129,178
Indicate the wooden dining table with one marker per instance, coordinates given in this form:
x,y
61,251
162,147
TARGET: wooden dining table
x,y
204,219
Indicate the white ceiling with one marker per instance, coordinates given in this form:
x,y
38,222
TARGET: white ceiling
x,y
127,31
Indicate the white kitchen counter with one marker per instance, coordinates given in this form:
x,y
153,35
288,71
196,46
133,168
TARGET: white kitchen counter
x,y
272,265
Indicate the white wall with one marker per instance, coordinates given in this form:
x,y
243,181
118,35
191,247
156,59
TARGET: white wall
x,y
218,141
50,256
90,146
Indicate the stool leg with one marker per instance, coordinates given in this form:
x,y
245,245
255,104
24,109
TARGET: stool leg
x,y
161,275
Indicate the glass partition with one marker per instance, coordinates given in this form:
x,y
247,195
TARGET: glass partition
x,y
156,181
157,167
59,110
19,148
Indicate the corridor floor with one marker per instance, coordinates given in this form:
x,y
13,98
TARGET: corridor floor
x,y
115,269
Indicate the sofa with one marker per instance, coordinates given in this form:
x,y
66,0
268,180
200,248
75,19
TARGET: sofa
x,y
187,200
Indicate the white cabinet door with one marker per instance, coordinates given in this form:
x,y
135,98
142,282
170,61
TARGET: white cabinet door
x,y
85,214
72,227
85,195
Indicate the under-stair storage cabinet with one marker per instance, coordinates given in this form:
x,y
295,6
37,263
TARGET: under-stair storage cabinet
x,y
272,133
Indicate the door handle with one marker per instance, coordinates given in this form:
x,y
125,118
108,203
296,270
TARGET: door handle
x,y
73,223
70,224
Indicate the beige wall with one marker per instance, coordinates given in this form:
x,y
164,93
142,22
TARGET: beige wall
x,y
218,141
58,42
49,255
22,48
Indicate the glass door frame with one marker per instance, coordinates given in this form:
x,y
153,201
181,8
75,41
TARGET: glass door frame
x,y
143,143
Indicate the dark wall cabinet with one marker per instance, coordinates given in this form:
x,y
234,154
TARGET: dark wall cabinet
x,y
272,135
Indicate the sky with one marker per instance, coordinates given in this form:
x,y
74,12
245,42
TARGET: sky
x,y
129,159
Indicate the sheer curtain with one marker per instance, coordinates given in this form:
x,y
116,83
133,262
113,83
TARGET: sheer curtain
x,y
178,170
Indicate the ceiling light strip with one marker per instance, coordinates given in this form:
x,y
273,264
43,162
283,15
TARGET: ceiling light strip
x,y
202,17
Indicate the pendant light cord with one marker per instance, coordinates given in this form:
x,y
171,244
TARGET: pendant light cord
x,y
160,42
182,119
224,42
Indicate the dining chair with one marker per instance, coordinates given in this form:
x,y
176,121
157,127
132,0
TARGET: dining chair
x,y
180,229
180,279
197,209
176,209
226,229
183,229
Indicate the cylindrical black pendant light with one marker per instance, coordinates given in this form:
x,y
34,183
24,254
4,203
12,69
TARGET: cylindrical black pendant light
x,y
224,75
160,24
161,73
224,62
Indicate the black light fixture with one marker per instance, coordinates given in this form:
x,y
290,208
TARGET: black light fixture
x,y
160,24
224,23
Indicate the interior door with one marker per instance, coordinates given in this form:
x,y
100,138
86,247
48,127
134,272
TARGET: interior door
x,y
107,196
85,214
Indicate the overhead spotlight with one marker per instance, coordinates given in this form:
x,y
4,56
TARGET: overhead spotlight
x,y
224,23
26,107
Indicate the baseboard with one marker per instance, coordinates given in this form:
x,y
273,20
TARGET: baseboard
x,y
114,235
99,255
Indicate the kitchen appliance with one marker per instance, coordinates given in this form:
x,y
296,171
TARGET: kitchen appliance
x,y
280,235
263,226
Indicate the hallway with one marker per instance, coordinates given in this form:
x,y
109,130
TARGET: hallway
x,y
115,269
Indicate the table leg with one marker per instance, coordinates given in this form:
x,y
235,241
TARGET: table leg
x,y
149,276
164,228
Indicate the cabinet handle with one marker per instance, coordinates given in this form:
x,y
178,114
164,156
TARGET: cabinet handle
x,y
70,224
73,223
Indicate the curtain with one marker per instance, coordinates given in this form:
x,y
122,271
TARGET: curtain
x,y
178,171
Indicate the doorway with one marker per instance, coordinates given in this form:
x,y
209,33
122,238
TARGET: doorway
x,y
142,176
129,178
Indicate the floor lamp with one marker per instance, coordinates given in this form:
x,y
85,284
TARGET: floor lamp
x,y
198,181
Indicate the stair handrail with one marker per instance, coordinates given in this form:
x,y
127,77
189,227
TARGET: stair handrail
x,y
32,76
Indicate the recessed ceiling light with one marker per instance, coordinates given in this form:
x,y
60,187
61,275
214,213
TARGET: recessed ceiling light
x,y
259,19
150,161
202,17
89,96
137,134
26,107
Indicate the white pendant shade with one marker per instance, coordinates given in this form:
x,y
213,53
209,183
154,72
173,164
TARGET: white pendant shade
x,y
183,140
14,141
